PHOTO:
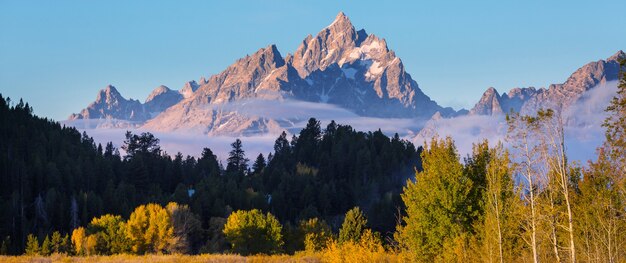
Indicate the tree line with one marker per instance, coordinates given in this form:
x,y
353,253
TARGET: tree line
x,y
55,179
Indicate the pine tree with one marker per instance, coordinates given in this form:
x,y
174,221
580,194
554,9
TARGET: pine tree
x,y
438,215
237,161
56,241
259,164
6,243
354,224
46,247
32,245
66,245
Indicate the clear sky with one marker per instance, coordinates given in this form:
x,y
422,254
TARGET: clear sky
x,y
58,54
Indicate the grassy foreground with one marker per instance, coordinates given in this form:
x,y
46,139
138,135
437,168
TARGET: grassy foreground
x,y
302,257
161,258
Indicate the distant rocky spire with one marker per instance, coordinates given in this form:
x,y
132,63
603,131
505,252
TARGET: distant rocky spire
x,y
619,55
489,103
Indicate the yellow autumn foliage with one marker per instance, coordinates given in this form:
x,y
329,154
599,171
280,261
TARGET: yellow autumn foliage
x,y
368,249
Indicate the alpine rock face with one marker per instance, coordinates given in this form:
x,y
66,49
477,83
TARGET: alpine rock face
x,y
339,66
556,96
110,104
486,118
160,99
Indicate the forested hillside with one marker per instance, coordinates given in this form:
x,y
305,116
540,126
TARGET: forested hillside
x,y
54,178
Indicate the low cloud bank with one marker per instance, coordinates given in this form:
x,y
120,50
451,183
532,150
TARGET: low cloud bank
x,y
299,112
296,113
584,132
189,143
465,130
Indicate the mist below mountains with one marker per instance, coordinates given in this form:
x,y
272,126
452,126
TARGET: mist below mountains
x,y
346,75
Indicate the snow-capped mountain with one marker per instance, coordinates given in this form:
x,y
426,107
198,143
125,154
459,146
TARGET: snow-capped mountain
x,y
339,66
556,96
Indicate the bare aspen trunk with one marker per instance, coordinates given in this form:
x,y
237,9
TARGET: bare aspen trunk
x,y
533,218
523,129
571,229
555,245
499,234
557,141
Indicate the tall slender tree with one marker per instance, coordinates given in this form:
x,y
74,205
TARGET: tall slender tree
x,y
437,211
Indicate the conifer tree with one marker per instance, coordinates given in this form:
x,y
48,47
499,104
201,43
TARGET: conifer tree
x,y
353,226
259,164
4,248
237,161
56,241
32,245
46,247
438,214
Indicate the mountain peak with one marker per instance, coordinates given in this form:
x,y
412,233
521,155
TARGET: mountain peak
x,y
618,55
329,46
489,103
158,91
341,20
108,92
491,91
109,88
270,54
110,104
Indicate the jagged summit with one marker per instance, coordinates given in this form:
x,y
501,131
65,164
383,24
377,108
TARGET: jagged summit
x,y
328,46
339,65
110,104
109,93
618,55
556,96
162,89
341,22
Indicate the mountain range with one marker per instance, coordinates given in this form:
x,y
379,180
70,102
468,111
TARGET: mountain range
x,y
340,66
556,96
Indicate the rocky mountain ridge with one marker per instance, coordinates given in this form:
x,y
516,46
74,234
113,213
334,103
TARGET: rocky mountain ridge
x,y
556,96
111,105
339,66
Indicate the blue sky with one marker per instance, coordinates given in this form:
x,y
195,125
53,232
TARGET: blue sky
x,y
58,54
